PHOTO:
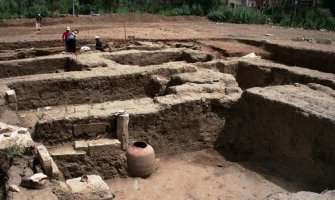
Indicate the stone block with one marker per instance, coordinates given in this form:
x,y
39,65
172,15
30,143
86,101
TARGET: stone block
x,y
45,159
36,181
81,145
55,171
14,188
11,96
48,164
91,183
103,147
22,130
67,153
4,130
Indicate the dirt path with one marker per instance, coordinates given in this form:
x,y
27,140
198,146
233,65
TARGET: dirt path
x,y
199,175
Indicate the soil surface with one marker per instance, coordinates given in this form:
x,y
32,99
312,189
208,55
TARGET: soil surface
x,y
197,176
147,26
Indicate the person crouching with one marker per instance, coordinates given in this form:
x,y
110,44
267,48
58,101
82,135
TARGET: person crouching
x,y
98,44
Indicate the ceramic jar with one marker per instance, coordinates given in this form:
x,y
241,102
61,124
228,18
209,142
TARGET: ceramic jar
x,y
141,159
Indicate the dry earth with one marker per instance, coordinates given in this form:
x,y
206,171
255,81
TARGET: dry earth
x,y
197,175
148,26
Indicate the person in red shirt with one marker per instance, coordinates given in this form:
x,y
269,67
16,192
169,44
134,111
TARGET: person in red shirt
x,y
65,36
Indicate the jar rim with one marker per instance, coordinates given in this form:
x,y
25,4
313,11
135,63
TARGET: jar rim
x,y
140,144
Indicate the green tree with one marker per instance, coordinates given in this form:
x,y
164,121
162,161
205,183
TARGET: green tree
x,y
206,5
51,4
330,4
19,7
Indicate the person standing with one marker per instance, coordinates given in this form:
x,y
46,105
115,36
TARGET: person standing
x,y
65,36
71,42
39,22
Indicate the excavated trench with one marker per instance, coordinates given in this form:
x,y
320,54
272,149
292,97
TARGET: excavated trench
x,y
258,113
39,66
56,90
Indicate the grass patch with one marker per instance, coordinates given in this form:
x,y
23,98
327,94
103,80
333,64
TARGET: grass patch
x,y
13,150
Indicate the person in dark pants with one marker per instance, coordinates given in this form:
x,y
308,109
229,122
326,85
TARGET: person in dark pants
x,y
71,42
66,34
98,44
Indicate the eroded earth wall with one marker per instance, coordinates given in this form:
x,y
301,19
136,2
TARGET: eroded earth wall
x,y
292,125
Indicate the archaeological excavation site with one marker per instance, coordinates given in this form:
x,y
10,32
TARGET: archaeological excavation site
x,y
167,119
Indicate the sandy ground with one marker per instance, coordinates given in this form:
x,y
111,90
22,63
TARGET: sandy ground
x,y
197,176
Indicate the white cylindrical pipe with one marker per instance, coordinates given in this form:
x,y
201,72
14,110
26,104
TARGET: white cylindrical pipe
x,y
122,130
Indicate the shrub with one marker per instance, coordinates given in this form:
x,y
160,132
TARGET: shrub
x,y
34,10
202,7
238,15
183,10
12,150
6,15
196,9
308,18
8,10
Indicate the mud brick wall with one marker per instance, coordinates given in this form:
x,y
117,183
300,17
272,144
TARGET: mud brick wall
x,y
312,59
250,75
183,127
55,132
37,44
110,164
58,91
52,92
30,67
90,129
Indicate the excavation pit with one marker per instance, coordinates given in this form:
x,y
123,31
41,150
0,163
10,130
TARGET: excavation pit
x,y
234,122
144,58
48,65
